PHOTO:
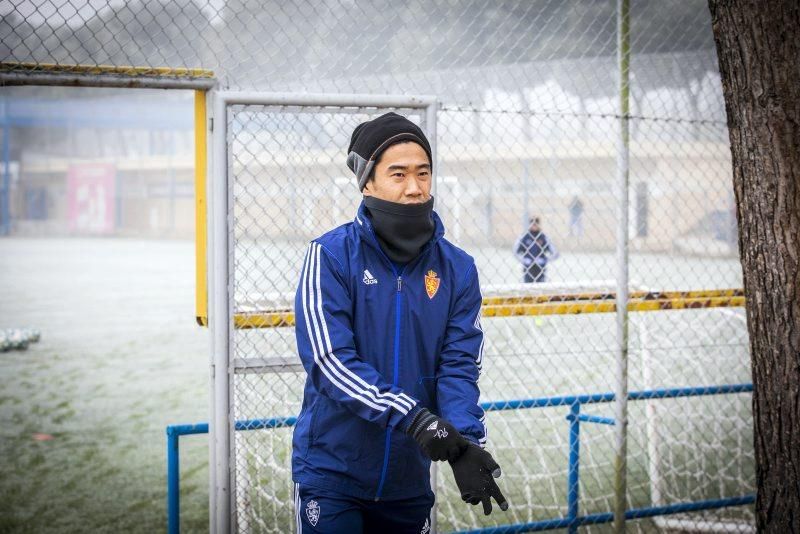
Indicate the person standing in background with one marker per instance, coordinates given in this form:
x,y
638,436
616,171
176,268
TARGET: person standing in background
x,y
576,217
534,250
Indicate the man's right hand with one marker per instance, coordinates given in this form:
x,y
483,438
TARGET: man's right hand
x,y
438,439
475,471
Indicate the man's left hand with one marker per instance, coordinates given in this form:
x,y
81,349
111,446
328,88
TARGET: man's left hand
x,y
475,471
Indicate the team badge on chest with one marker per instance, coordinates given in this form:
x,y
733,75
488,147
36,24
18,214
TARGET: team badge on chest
x,y
431,284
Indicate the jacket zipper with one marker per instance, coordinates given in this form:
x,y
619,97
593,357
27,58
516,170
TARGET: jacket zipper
x,y
398,308
398,303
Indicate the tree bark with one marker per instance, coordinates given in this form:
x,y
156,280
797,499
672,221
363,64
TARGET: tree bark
x,y
758,46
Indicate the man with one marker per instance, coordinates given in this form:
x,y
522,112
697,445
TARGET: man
x,y
388,329
534,250
576,217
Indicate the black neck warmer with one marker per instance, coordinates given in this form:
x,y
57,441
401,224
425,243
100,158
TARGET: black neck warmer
x,y
402,229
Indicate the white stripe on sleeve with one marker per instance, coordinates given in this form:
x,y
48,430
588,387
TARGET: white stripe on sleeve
x,y
313,333
343,378
401,402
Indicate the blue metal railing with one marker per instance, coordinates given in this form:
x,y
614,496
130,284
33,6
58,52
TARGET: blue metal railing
x,y
594,519
572,521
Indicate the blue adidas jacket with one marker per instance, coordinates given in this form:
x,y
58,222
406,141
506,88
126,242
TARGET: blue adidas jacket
x,y
378,343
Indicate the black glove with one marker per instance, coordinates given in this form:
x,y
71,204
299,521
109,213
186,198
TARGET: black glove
x,y
438,438
473,471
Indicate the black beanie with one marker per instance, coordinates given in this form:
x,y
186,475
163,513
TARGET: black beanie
x,y
371,138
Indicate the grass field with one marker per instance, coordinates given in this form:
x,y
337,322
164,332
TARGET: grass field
x,y
83,411
120,358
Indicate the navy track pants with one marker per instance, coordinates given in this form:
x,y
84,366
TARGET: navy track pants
x,y
328,512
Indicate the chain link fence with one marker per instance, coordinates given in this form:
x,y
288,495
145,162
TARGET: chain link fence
x,y
527,127
289,181
283,163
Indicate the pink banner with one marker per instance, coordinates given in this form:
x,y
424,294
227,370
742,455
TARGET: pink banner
x,y
90,194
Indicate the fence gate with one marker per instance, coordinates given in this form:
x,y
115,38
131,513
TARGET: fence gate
x,y
556,355
279,180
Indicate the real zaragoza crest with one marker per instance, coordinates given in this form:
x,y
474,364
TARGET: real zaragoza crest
x,y
431,284
312,511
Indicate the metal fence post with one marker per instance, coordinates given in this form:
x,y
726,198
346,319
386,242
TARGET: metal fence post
x,y
573,476
621,401
430,129
220,321
173,482
5,224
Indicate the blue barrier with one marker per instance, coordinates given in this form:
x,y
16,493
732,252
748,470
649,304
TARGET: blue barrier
x,y
635,513
5,202
571,522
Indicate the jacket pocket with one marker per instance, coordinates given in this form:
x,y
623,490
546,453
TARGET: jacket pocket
x,y
425,392
342,442
305,426
333,428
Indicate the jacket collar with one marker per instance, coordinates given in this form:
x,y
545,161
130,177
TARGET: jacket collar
x,y
364,225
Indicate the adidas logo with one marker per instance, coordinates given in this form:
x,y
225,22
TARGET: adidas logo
x,y
368,278
433,426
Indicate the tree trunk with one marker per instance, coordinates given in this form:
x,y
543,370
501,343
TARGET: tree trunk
x,y
758,45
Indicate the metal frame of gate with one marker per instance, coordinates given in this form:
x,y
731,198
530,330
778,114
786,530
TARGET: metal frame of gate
x,y
222,513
